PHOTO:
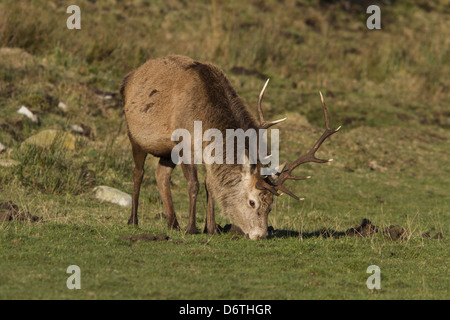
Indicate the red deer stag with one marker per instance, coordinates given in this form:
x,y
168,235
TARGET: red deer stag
x,y
172,92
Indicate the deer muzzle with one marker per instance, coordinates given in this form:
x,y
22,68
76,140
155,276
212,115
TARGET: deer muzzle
x,y
257,234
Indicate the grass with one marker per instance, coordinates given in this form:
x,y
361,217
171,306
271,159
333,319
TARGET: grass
x,y
204,267
389,89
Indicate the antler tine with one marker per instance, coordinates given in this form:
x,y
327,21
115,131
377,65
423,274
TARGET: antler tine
x,y
263,124
310,156
261,95
283,189
325,112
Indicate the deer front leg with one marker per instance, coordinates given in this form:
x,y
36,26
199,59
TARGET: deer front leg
x,y
138,173
190,173
163,172
210,225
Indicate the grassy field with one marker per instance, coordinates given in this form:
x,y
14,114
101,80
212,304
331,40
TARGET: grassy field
x,y
390,89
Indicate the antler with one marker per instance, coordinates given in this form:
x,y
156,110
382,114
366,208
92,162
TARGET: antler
x,y
308,157
263,124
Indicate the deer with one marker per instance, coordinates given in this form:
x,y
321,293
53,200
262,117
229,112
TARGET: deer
x,y
172,92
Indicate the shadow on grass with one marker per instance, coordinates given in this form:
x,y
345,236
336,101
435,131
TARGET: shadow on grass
x,y
364,229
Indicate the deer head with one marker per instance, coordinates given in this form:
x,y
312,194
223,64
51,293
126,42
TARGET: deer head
x,y
256,203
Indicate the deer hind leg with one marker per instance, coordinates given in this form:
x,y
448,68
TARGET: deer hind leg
x,y
190,173
163,172
138,173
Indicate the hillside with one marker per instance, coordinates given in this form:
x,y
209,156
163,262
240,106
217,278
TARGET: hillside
x,y
389,88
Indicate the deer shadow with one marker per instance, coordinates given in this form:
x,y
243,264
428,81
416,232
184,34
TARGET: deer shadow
x,y
364,229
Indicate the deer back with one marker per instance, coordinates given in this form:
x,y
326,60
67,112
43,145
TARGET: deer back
x,y
172,92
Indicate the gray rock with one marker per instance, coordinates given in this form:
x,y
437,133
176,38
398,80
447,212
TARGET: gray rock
x,y
27,113
63,106
112,195
77,128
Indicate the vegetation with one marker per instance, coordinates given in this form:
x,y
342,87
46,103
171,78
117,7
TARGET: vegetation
x,y
389,88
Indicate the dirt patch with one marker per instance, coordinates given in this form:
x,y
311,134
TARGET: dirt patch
x,y
437,236
11,212
364,229
145,237
395,233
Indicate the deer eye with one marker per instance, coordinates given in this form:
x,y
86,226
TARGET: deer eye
x,y
251,203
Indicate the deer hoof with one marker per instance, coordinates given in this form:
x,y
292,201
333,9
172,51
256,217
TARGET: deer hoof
x,y
192,230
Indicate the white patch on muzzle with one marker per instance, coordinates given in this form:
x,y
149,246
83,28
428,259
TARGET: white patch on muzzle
x,y
258,234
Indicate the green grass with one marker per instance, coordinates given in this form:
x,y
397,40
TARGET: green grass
x,y
389,89
35,259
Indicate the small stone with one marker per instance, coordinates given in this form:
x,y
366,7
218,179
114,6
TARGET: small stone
x,y
77,128
30,115
84,130
112,195
63,106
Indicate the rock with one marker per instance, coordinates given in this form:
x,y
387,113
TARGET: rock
x,y
63,106
2,147
8,163
77,128
109,194
84,130
27,113
105,95
48,137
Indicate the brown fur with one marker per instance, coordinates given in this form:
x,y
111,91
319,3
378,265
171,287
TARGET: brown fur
x,y
172,92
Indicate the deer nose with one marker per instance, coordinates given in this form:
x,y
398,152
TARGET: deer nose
x,y
257,235
263,236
